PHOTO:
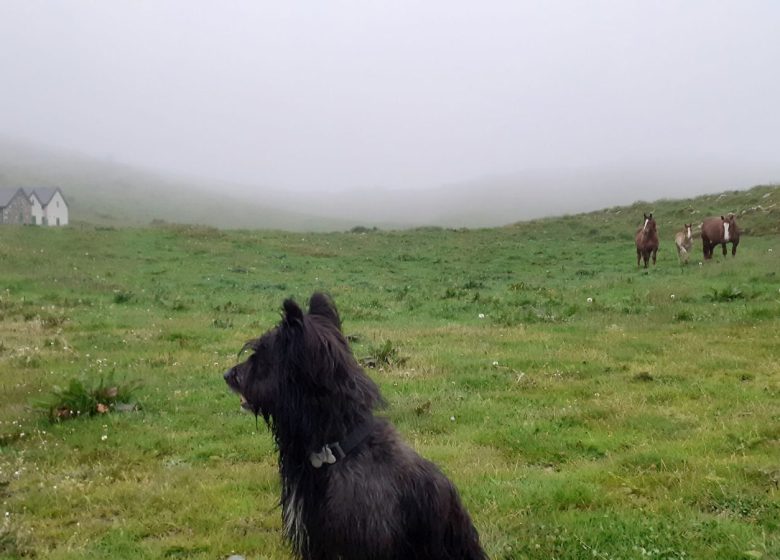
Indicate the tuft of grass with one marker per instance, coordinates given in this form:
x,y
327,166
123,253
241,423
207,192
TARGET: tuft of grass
x,y
123,296
730,293
222,323
682,316
363,229
384,355
83,398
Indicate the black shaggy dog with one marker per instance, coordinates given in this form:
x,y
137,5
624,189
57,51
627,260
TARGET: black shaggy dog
x,y
351,488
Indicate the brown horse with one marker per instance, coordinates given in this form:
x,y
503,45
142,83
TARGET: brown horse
x,y
646,240
684,242
719,231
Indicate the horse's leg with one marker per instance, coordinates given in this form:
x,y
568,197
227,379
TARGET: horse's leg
x,y
734,248
723,246
654,253
638,256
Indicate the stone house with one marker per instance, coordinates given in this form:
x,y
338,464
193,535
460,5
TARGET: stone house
x,y
15,207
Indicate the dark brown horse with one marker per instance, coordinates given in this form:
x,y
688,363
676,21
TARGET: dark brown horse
x,y
719,231
646,240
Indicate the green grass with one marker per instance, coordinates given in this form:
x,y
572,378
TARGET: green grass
x,y
636,425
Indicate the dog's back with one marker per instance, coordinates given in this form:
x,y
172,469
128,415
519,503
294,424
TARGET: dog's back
x,y
383,502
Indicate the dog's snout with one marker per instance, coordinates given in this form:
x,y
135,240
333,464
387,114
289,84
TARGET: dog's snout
x,y
230,375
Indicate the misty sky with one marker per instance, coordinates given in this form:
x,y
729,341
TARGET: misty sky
x,y
396,93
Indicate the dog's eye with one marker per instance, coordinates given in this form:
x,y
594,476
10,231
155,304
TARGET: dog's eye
x,y
248,347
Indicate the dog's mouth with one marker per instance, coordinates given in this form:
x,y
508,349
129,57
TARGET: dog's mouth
x,y
245,404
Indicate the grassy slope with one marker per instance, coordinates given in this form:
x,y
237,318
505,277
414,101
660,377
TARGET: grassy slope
x,y
635,426
107,193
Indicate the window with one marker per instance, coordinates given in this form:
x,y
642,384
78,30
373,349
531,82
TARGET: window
x,y
58,204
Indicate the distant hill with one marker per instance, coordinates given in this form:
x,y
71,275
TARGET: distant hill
x,y
495,201
105,192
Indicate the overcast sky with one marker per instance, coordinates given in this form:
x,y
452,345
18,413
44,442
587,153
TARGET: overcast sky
x,y
396,93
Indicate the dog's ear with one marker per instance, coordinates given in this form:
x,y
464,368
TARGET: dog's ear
x,y
322,305
293,315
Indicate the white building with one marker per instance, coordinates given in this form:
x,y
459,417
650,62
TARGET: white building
x,y
48,206
36,210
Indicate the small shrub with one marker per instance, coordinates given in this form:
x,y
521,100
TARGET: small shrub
x,y
682,316
80,398
383,355
52,321
473,285
453,293
363,229
643,376
180,338
9,548
28,361
219,323
726,294
423,409
763,313
123,296
232,308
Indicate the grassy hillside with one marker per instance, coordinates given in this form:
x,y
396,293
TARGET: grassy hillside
x,y
585,408
757,211
107,193
103,193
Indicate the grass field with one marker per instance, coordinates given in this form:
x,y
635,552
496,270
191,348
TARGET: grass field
x,y
585,408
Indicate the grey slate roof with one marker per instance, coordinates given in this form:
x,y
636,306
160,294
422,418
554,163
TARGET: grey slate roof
x,y
45,194
7,195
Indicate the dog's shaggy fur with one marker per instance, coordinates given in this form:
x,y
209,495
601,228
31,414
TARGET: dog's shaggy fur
x,y
381,500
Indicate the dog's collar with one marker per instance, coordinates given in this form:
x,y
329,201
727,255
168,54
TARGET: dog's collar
x,y
336,451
